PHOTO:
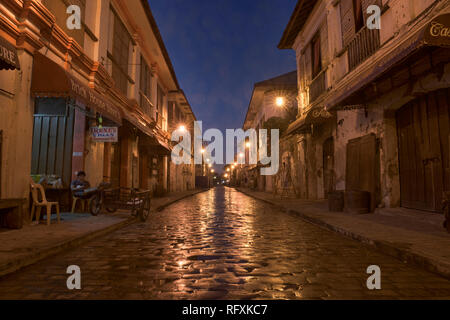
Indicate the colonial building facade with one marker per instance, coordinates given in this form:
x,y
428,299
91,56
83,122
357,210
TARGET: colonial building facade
x,y
273,105
111,75
374,104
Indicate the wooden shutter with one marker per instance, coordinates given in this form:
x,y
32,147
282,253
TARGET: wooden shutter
x,y
362,163
324,43
308,64
347,21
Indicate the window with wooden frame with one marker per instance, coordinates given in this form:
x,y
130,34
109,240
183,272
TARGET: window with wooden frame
x,y
358,14
316,57
145,86
120,55
159,106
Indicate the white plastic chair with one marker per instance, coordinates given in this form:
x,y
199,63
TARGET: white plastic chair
x,y
37,189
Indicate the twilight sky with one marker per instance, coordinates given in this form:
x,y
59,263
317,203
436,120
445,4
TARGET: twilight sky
x,y
220,48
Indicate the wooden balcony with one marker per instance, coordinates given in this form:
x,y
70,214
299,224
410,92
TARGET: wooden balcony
x,y
147,107
317,86
363,45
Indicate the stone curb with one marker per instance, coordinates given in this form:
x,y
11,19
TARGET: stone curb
x,y
406,256
16,264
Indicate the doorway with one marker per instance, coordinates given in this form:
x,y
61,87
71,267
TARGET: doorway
x,y
328,166
423,149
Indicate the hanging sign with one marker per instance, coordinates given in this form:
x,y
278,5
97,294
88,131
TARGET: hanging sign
x,y
438,31
104,134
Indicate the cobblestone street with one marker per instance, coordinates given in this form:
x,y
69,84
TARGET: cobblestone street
x,y
221,244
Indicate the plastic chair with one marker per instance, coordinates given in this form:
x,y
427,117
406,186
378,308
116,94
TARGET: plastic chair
x,y
83,202
37,189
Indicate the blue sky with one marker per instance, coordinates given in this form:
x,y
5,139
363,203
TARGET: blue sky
x,y
220,48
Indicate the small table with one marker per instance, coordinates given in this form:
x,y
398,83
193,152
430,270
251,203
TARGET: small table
x,y
61,195
11,213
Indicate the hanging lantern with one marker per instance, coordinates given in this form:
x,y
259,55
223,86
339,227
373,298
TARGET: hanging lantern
x,y
100,122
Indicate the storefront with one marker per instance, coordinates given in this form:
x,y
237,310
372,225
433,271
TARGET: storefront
x,y
65,112
8,61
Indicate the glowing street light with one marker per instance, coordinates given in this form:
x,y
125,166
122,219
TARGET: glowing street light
x,y
226,175
212,170
210,165
241,155
228,169
182,128
279,101
247,144
202,151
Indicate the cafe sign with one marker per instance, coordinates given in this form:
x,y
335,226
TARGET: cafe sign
x,y
437,32
104,134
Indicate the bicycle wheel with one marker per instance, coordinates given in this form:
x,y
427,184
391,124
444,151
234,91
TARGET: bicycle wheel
x,y
96,205
144,212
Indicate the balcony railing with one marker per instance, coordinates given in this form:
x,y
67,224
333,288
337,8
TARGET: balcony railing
x,y
317,86
363,45
148,107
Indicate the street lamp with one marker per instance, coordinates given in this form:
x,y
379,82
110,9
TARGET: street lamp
x,y
182,128
247,144
212,170
279,101
241,155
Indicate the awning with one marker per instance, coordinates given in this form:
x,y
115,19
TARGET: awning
x,y
148,139
8,56
435,33
155,145
51,80
314,116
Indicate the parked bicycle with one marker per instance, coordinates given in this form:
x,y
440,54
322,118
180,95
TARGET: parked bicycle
x,y
133,200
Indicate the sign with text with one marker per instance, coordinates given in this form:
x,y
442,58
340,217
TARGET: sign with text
x,y
438,31
104,134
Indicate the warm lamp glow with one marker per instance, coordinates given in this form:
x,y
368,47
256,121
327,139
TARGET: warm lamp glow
x,y
182,128
247,144
279,101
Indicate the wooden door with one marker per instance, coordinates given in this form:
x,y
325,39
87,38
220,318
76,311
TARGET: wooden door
x,y
423,147
53,139
115,165
328,166
363,170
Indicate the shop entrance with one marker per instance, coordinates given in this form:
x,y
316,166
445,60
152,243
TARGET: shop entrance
x,y
53,138
423,148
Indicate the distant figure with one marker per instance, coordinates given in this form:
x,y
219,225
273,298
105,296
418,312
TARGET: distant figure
x,y
79,185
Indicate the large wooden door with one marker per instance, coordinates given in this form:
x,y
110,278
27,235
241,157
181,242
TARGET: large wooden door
x,y
328,166
53,138
363,170
423,145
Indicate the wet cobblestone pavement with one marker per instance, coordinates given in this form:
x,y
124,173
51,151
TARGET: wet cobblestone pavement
x,y
221,244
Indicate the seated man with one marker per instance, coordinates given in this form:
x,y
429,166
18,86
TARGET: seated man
x,y
80,186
